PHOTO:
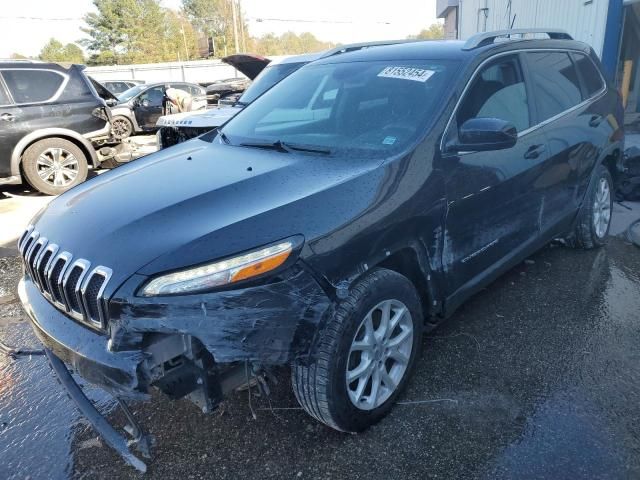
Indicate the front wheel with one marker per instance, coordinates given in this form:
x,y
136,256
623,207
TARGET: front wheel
x,y
365,355
121,127
594,218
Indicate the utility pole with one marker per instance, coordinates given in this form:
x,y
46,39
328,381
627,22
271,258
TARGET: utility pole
x,y
235,25
184,38
244,44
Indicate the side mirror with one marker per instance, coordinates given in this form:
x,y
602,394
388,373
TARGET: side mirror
x,y
145,103
111,102
485,134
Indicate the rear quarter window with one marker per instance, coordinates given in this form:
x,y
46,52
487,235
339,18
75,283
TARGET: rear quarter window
x,y
555,83
591,78
32,86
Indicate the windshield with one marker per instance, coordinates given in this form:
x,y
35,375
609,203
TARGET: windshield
x,y
376,108
132,92
267,79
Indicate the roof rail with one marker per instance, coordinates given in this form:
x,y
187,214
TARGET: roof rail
x,y
487,38
360,46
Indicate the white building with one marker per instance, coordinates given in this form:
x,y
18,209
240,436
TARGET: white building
x,y
611,27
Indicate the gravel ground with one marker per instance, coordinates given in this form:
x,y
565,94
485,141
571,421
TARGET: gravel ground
x,y
535,377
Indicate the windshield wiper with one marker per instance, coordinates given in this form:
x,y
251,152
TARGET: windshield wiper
x,y
285,147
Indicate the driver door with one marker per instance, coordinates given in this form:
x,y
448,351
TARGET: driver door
x,y
149,106
494,204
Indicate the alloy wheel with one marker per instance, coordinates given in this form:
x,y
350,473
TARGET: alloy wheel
x,y
120,128
602,208
379,354
57,167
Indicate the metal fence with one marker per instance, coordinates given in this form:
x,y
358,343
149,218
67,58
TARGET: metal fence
x,y
197,71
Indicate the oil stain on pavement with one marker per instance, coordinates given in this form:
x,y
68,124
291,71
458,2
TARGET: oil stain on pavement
x,y
536,377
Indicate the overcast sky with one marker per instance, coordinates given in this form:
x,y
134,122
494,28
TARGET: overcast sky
x,y
337,20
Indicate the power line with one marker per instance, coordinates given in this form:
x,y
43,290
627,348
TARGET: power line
x,y
256,19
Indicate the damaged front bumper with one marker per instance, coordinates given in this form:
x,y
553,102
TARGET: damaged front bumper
x,y
198,346
185,345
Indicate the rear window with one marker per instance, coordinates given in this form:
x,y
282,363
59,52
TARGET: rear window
x,y
32,86
555,83
591,78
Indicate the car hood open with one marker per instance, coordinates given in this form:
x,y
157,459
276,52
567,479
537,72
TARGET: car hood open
x,y
249,65
198,202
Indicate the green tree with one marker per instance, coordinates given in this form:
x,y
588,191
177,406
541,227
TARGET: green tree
x,y
289,43
137,31
17,56
214,18
55,51
434,32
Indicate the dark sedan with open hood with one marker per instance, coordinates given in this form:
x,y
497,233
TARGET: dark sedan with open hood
x,y
350,207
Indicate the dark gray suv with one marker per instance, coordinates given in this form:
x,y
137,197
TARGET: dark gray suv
x,y
50,117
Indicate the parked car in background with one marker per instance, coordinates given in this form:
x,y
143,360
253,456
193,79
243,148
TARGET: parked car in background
x,y
139,108
50,119
119,86
347,210
174,129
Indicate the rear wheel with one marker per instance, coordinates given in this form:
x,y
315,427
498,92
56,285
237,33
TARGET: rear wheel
x,y
594,219
54,165
365,355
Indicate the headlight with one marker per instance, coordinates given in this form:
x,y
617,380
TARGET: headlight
x,y
220,273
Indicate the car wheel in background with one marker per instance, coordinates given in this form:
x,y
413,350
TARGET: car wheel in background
x,y
594,218
365,354
54,165
121,127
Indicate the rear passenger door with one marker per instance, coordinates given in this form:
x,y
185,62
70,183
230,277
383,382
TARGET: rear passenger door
x,y
568,125
493,197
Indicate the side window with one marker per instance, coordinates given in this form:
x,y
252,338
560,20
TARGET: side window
x,y
554,81
32,86
155,96
498,91
591,78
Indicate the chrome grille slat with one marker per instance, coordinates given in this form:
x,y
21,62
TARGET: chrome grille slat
x,y
69,284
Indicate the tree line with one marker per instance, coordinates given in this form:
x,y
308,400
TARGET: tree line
x,y
143,31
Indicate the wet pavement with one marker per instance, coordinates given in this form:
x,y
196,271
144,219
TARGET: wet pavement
x,y
535,377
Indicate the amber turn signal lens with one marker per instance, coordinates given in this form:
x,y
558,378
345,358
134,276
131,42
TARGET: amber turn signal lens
x,y
261,266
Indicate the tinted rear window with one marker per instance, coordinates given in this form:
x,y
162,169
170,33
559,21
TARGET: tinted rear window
x,y
555,83
591,77
31,86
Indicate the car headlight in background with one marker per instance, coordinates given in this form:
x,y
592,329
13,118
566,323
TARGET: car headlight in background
x,y
221,273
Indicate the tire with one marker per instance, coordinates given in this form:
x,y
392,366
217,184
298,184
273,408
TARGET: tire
x,y
594,218
320,383
121,127
63,161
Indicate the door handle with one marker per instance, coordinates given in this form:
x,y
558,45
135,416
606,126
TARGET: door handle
x,y
534,151
7,117
595,120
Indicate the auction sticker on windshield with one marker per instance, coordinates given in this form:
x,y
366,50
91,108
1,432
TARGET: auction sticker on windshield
x,y
407,73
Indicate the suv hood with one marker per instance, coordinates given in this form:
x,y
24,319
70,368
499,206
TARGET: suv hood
x,y
198,202
248,65
213,117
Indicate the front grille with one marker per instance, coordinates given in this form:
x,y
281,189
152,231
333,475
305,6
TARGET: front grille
x,y
69,284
